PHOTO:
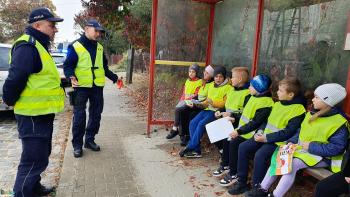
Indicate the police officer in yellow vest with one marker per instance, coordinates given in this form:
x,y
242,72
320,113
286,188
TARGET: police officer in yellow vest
x,y
87,66
33,87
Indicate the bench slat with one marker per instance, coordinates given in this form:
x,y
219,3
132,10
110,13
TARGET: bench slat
x,y
318,173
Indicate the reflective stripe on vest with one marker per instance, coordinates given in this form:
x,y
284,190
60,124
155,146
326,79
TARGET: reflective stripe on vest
x,y
86,73
191,87
320,130
235,100
43,93
217,94
249,110
203,91
280,116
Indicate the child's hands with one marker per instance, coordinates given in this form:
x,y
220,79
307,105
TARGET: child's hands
x,y
260,137
190,105
218,114
305,145
347,179
226,114
231,119
234,134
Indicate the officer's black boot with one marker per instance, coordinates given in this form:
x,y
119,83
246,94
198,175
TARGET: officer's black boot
x,y
78,152
43,191
92,146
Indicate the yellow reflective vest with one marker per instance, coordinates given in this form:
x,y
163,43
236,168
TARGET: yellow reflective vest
x,y
249,110
235,100
217,94
86,73
43,93
319,130
203,91
191,87
280,116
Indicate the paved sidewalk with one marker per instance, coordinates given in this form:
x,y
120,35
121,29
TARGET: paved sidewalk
x,y
132,165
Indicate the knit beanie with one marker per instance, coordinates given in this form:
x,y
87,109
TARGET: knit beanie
x,y
220,70
261,83
210,70
331,93
194,67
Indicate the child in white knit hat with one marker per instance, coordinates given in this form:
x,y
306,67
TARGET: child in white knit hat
x,y
184,111
321,142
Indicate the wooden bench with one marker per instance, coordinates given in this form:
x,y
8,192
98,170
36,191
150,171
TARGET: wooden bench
x,y
318,173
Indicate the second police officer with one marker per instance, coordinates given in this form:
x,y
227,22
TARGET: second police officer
x,y
87,66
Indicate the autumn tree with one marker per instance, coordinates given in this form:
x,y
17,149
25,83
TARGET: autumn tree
x,y
110,14
14,15
138,24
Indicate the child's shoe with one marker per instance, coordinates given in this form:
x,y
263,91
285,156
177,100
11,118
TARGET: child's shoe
x,y
183,152
172,134
193,154
238,188
256,191
220,171
228,180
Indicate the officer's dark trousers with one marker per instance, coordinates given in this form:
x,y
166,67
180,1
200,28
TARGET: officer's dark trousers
x,y
261,152
35,133
95,97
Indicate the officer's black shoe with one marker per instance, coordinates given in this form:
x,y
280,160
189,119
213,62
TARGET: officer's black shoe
x,y
92,145
78,153
43,191
172,134
238,188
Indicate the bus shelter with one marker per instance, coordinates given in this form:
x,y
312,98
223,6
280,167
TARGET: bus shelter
x,y
303,38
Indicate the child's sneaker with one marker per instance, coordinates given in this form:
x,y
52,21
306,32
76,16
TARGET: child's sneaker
x,y
238,188
172,134
183,152
256,191
220,171
228,180
193,154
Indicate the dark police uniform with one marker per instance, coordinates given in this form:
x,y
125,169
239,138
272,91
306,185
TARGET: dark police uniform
x,y
84,61
33,88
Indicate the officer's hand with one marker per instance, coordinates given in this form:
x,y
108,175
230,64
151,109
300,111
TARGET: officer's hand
x,y
74,81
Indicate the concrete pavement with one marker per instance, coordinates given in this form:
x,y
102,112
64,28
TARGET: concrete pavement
x,y
130,164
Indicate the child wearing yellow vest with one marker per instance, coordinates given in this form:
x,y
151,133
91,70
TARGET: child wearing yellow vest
x,y
237,98
322,139
190,91
255,113
282,124
186,114
215,100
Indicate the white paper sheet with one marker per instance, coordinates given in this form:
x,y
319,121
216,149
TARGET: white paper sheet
x,y
219,129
